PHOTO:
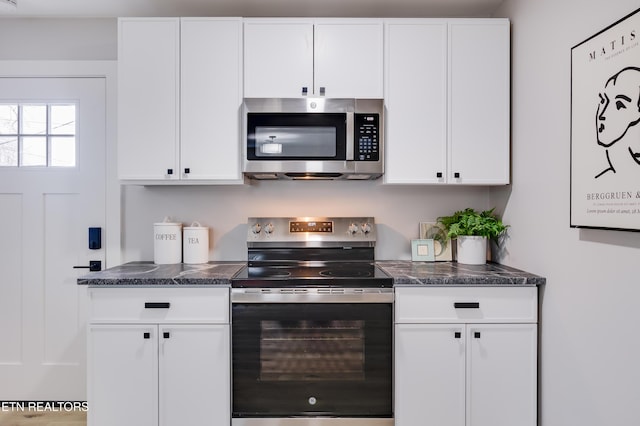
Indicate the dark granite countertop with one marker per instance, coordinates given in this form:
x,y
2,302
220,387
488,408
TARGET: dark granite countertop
x,y
150,274
405,272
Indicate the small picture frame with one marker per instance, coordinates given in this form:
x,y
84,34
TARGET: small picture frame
x,y
422,251
441,242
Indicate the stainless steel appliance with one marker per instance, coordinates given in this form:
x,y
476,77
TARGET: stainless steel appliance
x,y
313,138
312,326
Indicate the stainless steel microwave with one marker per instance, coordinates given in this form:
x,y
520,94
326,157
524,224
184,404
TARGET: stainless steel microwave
x,y
313,138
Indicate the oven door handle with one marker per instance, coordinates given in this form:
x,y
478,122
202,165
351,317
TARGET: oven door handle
x,y
269,295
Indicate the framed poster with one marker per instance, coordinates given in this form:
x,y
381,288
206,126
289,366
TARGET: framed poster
x,y
605,128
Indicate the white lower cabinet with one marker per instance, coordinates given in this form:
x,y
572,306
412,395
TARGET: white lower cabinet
x,y
172,371
467,358
123,375
429,375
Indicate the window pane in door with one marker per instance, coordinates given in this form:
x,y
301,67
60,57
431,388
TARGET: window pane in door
x,y
34,151
63,151
8,151
63,120
8,119
33,120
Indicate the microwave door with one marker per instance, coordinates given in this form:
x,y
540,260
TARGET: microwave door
x,y
296,136
292,142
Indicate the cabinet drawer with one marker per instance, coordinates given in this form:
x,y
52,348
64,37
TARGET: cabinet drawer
x,y
414,305
159,305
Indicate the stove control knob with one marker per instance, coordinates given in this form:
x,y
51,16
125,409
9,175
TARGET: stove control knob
x,y
268,228
366,228
353,228
256,228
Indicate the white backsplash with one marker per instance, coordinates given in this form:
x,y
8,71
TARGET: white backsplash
x,y
397,210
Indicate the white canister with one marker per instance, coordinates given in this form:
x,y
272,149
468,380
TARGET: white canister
x,y
167,242
196,243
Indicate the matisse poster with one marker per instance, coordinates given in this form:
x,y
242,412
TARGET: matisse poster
x,y
605,128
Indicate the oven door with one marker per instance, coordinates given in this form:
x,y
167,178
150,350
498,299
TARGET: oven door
x,y
312,360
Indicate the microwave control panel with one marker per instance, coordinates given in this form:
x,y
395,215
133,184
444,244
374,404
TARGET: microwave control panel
x,y
367,137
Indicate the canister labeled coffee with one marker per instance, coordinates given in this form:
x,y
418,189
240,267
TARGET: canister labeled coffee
x,y
167,242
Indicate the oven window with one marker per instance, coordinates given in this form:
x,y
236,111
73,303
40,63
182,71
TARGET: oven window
x,y
312,350
312,359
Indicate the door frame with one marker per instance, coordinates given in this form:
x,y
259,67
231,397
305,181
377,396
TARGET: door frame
x,y
79,69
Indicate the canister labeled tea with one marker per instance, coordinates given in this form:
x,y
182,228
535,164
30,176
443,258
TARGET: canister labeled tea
x,y
167,242
196,243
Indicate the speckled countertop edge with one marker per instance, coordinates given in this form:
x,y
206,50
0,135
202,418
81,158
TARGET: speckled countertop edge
x,y
403,272
137,274
407,273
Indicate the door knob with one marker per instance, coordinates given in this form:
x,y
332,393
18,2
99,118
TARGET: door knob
x,y
94,266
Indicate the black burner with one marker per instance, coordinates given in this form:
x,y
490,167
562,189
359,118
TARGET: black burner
x,y
254,272
347,272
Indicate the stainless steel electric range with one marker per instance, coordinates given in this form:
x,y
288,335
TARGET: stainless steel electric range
x,y
312,325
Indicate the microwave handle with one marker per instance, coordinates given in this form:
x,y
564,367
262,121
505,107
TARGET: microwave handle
x,y
350,137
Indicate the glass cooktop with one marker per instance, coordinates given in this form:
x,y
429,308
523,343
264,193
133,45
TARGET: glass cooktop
x,y
317,274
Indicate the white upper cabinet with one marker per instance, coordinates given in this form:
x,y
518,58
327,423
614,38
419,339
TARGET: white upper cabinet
x,y
211,99
278,59
416,102
348,59
148,98
479,101
447,95
179,100
336,58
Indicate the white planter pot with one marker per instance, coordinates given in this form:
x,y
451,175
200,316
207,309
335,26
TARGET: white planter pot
x,y
472,250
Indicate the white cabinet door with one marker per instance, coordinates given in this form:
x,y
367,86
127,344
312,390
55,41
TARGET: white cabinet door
x,y
502,375
466,366
429,375
416,100
148,98
448,101
278,59
194,375
211,98
290,58
479,101
123,375
348,59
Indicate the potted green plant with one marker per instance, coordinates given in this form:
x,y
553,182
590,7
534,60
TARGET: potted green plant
x,y
472,229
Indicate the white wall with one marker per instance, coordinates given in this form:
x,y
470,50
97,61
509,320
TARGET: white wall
x,y
397,211
590,364
58,39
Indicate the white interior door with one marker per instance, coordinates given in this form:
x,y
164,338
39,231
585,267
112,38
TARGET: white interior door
x,y
47,204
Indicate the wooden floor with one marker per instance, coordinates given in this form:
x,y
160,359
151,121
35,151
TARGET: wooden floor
x,y
37,418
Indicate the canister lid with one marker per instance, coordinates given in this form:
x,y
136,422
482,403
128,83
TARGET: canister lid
x,y
167,222
195,225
